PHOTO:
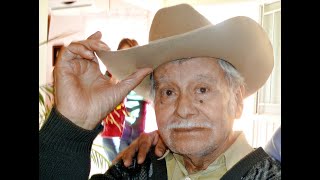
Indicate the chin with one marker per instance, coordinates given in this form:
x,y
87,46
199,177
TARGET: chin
x,y
189,142
191,148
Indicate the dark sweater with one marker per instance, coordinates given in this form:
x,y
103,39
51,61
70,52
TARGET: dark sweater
x,y
64,153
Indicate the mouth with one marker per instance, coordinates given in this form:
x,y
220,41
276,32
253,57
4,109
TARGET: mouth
x,y
194,129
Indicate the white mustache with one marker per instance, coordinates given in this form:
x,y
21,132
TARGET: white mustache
x,y
189,124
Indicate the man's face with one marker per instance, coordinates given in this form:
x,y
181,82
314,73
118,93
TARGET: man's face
x,y
191,105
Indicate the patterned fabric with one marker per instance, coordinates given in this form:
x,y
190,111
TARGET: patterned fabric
x,y
259,170
113,123
255,166
151,169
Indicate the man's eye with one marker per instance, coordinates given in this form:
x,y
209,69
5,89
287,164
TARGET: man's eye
x,y
202,90
169,92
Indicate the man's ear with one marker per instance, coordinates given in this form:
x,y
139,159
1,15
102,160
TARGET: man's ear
x,y
239,98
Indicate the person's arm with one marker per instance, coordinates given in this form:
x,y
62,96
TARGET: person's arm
x,y
151,168
83,96
141,146
64,148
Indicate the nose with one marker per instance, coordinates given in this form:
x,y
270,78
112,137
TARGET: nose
x,y
185,108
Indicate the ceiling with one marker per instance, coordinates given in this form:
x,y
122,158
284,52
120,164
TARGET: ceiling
x,y
150,5
154,5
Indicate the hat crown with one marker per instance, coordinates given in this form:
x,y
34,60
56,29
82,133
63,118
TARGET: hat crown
x,y
176,20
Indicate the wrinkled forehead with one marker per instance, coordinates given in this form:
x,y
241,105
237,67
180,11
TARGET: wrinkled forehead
x,y
192,66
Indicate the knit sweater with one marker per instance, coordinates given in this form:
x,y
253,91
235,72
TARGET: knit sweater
x,y
64,153
256,165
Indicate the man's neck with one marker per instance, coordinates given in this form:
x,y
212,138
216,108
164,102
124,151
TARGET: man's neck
x,y
195,163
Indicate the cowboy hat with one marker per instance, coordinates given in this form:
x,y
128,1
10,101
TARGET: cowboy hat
x,y
181,32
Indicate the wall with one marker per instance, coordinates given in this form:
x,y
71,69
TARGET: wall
x,y
62,31
65,26
115,19
43,24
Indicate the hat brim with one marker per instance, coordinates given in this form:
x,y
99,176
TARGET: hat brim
x,y
239,40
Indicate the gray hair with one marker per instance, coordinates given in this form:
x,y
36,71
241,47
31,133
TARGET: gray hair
x,y
232,76
234,80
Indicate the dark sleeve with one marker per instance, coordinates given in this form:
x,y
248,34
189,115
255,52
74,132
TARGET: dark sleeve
x,y
150,169
64,149
120,172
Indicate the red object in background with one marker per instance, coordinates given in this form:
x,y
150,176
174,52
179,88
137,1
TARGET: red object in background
x,y
114,122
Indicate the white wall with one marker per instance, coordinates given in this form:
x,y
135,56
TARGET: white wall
x,y
43,24
220,12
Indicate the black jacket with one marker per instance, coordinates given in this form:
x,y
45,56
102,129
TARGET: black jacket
x,y
64,154
256,165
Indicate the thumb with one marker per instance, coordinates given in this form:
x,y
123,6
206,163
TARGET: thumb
x,y
129,83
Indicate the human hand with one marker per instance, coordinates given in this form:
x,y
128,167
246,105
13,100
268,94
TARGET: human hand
x,y
82,93
142,145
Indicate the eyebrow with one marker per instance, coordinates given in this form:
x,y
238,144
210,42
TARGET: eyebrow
x,y
162,79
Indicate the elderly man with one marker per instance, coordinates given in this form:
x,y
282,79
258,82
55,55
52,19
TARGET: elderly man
x,y
200,75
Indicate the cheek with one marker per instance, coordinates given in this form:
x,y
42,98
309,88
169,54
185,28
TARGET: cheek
x,y
163,113
217,114
212,110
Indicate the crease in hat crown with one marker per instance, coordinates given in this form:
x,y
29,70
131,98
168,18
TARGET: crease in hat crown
x,y
180,19
180,31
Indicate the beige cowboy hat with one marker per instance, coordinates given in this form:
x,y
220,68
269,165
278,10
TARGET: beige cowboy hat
x,y
182,32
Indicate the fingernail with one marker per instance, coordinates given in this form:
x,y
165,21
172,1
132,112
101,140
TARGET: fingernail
x,y
140,161
127,164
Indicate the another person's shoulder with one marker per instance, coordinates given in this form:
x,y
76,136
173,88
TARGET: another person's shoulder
x,y
148,168
273,147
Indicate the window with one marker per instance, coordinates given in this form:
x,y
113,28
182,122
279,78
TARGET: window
x,y
262,111
269,96
267,116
